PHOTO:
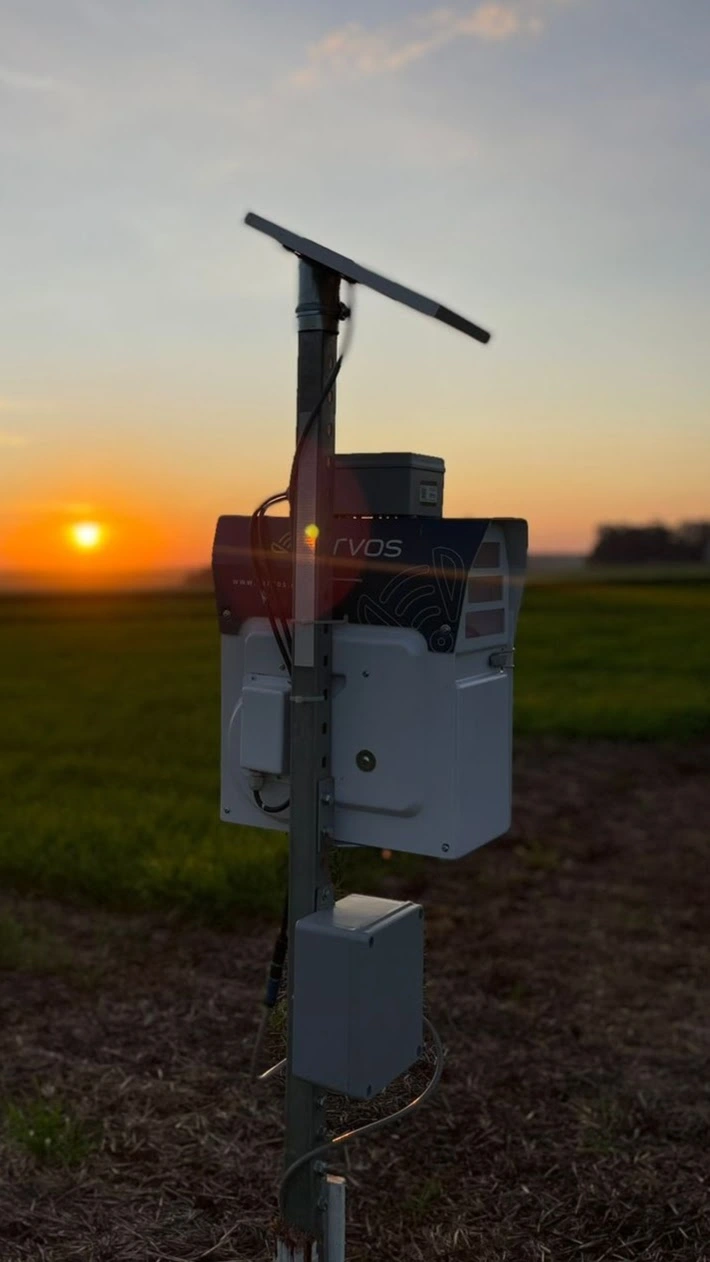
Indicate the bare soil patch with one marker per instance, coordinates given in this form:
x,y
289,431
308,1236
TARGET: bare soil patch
x,y
568,974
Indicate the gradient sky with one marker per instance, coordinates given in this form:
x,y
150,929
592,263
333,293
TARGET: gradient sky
x,y
543,166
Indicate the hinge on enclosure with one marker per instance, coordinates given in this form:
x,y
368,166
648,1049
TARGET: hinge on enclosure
x,y
504,659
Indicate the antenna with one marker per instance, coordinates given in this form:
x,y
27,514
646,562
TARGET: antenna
x,y
348,270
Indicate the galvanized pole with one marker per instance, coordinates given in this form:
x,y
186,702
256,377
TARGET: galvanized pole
x,y
311,810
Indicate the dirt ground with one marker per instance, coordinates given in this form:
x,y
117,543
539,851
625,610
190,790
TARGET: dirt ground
x,y
568,973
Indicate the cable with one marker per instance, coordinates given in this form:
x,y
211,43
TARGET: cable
x,y
269,1073
278,619
264,582
371,1127
347,314
273,985
263,557
261,572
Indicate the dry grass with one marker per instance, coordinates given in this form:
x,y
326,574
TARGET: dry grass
x,y
573,997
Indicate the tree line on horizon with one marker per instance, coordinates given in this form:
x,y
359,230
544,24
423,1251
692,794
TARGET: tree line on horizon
x,y
655,544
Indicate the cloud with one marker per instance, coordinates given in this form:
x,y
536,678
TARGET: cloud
x,y
12,440
493,22
22,81
355,51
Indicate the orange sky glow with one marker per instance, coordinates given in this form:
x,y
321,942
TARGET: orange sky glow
x,y
157,516
557,194
56,542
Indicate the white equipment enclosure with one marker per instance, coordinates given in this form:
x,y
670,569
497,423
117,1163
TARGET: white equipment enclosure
x,y
424,619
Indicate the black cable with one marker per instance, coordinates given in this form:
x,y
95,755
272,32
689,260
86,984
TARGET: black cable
x,y
262,575
273,985
303,436
278,619
278,960
346,314
261,568
281,613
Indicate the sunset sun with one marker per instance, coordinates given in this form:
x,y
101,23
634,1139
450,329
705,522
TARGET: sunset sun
x,y
86,535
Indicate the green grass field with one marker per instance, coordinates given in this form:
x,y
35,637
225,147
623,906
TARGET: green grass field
x,y
617,661
109,741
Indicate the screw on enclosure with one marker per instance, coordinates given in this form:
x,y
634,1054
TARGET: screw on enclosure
x,y
445,847
326,798
366,760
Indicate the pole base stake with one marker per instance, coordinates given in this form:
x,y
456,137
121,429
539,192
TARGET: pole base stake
x,y
293,1246
287,1251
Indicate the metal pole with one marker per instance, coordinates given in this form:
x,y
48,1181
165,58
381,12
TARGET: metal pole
x,y
311,810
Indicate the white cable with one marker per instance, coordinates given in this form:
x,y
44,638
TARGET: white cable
x,y
370,1127
269,1073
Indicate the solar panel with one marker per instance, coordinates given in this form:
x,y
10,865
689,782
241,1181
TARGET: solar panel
x,y
359,275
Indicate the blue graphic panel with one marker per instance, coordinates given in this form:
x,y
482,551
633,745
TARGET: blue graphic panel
x,y
399,572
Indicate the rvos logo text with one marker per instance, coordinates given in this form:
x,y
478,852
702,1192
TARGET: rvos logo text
x,y
369,547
